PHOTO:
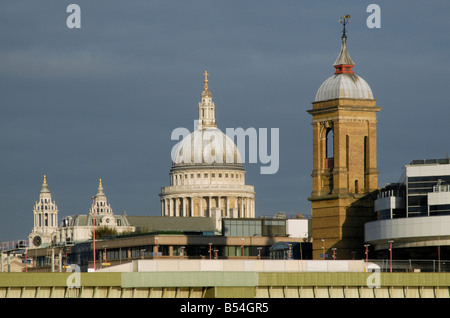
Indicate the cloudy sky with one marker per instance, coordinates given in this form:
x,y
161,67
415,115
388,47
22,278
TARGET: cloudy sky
x,y
102,101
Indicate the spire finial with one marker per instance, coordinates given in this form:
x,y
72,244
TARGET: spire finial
x,y
344,62
344,20
99,183
45,179
206,80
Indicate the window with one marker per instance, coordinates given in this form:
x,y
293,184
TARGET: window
x,y
417,200
329,145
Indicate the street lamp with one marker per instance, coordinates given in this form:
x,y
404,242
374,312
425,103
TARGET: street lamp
x,y
210,257
259,252
93,228
367,254
323,249
105,260
390,255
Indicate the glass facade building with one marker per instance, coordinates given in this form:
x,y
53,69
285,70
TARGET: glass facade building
x,y
254,227
423,190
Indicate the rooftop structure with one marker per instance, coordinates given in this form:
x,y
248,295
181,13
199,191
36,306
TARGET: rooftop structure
x,y
414,214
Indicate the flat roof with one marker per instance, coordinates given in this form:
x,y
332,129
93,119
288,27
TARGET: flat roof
x,y
169,223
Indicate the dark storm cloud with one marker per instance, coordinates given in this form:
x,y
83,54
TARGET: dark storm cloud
x,y
102,101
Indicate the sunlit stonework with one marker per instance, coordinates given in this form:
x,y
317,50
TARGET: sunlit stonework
x,y
207,177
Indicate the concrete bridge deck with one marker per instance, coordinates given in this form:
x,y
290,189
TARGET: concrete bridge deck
x,y
235,284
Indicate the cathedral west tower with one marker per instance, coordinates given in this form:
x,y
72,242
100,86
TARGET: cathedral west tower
x,y
45,213
344,160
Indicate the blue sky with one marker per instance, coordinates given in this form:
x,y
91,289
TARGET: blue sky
x,y
101,101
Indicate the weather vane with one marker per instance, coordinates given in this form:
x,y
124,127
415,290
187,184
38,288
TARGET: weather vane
x,y
344,20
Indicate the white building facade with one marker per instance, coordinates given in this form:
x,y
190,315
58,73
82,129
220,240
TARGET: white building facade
x,y
415,212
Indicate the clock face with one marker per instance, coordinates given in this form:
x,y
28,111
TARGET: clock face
x,y
37,240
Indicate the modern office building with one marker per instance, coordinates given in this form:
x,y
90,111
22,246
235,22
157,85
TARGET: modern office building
x,y
161,237
413,215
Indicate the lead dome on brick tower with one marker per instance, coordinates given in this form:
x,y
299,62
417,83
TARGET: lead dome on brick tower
x,y
344,83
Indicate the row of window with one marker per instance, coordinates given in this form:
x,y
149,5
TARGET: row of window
x,y
101,210
164,250
206,175
428,178
178,178
443,209
46,219
396,213
45,207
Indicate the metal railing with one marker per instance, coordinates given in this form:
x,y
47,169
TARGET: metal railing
x,y
13,245
441,188
413,265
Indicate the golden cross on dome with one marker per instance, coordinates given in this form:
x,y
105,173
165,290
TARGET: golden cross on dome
x,y
206,80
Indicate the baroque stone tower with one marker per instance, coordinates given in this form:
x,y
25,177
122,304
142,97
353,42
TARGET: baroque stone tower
x,y
344,161
45,214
